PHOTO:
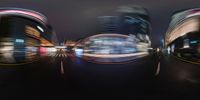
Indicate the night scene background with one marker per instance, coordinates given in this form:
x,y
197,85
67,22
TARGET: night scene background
x,y
100,49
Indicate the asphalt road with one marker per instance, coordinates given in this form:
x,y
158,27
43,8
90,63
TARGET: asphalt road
x,y
130,80
178,79
63,76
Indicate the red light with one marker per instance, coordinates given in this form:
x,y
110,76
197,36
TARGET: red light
x,y
43,49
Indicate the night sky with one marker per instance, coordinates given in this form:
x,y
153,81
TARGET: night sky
x,y
74,19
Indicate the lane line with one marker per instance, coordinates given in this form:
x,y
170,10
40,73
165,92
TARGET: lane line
x,y
62,68
158,69
187,60
54,55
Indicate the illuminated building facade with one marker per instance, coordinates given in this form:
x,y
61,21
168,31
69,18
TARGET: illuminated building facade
x,y
123,37
111,48
109,44
183,36
23,30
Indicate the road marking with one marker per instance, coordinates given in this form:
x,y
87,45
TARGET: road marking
x,y
61,67
56,55
60,55
187,61
52,55
158,69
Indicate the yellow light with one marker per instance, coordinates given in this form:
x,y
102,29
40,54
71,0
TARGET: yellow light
x,y
32,32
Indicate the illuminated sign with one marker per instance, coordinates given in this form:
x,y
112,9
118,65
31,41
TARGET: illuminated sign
x,y
19,40
32,32
186,43
40,28
193,42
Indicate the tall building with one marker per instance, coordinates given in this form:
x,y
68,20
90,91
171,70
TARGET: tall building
x,y
183,35
131,20
109,24
134,20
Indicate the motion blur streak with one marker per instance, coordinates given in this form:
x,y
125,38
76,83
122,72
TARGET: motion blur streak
x,y
182,37
23,37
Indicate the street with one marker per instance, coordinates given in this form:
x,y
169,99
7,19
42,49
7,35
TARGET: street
x,y
62,75
59,75
178,79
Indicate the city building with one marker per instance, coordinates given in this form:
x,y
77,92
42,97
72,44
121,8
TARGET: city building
x,y
123,37
23,31
111,48
134,20
131,20
183,35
